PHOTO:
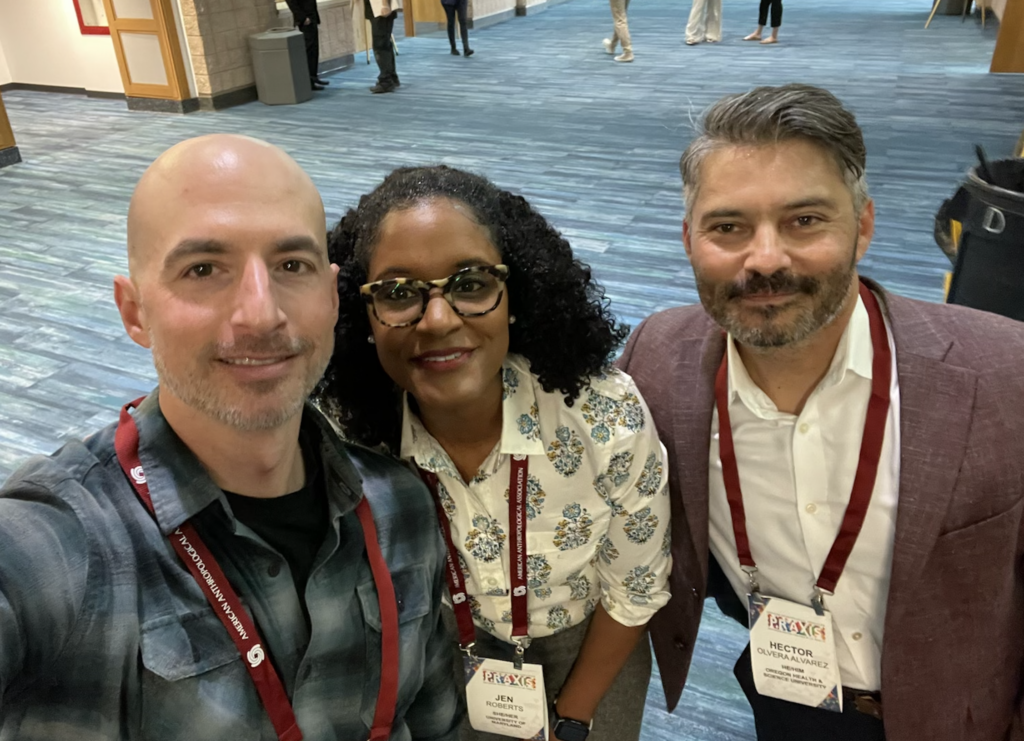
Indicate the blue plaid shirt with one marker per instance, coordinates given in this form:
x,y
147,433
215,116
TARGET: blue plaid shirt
x,y
104,634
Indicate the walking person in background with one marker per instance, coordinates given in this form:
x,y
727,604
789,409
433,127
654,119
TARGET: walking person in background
x,y
382,23
307,20
621,33
451,7
705,22
762,20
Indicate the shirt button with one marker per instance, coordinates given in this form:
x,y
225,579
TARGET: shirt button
x,y
274,570
811,508
680,644
857,636
491,581
804,428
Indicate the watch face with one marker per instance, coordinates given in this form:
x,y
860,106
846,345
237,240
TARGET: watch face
x,y
571,730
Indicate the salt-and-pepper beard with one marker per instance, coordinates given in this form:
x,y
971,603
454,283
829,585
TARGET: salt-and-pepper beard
x,y
197,393
828,293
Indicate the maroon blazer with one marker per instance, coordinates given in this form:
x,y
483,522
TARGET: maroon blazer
x,y
953,646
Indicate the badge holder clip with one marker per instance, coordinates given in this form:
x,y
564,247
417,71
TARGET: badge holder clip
x,y
818,600
522,643
751,572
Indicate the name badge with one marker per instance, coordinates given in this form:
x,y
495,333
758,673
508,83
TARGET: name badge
x,y
504,700
793,653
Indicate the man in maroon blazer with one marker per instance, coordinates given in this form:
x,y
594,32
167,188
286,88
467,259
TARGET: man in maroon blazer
x,y
834,446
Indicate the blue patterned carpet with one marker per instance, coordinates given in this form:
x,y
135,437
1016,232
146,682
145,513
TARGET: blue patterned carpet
x,y
540,109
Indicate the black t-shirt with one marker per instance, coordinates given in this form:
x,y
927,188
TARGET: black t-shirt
x,y
295,524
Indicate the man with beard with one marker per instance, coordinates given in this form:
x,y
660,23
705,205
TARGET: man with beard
x,y
218,564
847,466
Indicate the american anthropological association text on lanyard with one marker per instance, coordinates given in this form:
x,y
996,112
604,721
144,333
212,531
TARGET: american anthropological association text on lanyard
x,y
228,607
502,697
792,646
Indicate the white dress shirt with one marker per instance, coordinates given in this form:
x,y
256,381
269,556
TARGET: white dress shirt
x,y
796,473
597,505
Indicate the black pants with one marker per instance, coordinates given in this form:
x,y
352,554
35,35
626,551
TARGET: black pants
x,y
450,11
311,34
383,51
778,720
762,14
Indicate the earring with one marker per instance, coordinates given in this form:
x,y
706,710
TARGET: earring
x,y
512,319
371,340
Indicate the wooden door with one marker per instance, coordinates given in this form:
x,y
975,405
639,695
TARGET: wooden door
x,y
148,53
6,134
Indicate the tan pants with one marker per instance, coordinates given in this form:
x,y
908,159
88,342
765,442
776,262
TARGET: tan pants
x,y
621,33
705,21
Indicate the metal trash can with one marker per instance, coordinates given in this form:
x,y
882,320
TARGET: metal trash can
x,y
279,61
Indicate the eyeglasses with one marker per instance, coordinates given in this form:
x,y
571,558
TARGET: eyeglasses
x,y
401,302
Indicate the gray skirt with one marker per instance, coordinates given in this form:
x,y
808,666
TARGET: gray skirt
x,y
620,713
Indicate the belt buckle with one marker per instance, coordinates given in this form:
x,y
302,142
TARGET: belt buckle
x,y
867,703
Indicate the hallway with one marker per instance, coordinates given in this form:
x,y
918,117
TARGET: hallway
x,y
540,109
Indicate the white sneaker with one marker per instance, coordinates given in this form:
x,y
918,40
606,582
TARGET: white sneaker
x,y
609,46
624,57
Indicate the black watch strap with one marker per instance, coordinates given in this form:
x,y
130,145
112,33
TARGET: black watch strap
x,y
567,729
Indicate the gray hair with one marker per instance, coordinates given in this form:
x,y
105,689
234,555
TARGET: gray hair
x,y
768,115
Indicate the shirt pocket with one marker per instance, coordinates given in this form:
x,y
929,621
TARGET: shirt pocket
x,y
413,592
194,684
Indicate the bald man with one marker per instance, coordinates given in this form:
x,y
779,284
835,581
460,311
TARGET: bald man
x,y
218,564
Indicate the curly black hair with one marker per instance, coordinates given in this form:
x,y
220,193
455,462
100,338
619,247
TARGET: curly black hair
x,y
563,327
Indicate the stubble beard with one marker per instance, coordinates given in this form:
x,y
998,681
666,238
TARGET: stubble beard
x,y
828,295
199,391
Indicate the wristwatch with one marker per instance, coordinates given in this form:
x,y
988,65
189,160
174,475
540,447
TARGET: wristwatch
x,y
567,729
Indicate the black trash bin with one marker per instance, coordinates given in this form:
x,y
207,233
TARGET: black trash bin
x,y
989,268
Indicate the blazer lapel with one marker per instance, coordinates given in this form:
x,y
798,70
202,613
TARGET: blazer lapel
x,y
694,386
932,393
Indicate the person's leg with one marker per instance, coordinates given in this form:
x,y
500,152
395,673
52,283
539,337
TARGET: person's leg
x,y
762,21
463,7
696,26
389,32
311,35
449,14
384,52
714,21
776,18
610,44
622,30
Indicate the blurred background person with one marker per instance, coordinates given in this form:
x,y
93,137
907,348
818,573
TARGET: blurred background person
x,y
451,8
762,20
620,35
705,22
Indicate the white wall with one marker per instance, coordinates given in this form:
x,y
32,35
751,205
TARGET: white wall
x,y
5,72
43,45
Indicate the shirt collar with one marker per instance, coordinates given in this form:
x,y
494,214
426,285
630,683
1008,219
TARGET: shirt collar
x,y
520,433
181,488
854,354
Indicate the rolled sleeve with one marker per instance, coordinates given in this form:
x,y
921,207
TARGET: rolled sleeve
x,y
635,563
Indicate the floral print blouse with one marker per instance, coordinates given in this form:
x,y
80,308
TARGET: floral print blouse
x,y
597,505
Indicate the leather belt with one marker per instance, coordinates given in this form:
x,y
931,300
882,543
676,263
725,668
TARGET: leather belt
x,y
869,703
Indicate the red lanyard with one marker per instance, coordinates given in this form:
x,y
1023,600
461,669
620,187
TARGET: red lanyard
x,y
517,485
867,468
228,607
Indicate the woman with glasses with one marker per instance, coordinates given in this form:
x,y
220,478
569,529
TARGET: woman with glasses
x,y
471,343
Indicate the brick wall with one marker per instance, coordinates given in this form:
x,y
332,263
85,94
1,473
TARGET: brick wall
x,y
217,32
